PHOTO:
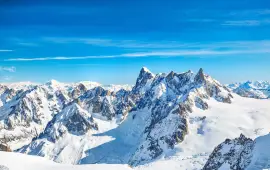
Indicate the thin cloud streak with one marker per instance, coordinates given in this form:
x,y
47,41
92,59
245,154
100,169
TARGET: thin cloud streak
x,y
179,53
246,23
27,44
193,53
168,45
257,12
117,43
56,58
3,50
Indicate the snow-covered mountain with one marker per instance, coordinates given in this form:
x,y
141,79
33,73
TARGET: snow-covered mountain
x,y
155,102
17,161
25,109
166,103
241,153
175,118
27,113
55,142
252,89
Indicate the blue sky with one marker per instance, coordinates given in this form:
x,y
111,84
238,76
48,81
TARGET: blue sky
x,y
109,41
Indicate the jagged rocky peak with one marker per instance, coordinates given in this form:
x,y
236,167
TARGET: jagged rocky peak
x,y
29,112
73,119
98,100
170,75
27,109
200,77
94,93
78,90
62,97
81,87
144,69
213,87
170,98
143,80
100,91
178,81
235,154
7,93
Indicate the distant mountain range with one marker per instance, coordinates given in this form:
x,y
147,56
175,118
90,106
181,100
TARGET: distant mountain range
x,y
178,117
252,89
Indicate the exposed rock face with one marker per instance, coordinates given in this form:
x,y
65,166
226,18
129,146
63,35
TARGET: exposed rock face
x,y
98,100
169,99
62,134
28,108
28,112
78,91
124,103
106,103
7,94
235,154
4,147
72,119
143,81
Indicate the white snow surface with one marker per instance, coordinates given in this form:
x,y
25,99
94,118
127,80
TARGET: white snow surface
x,y
112,145
207,128
248,116
260,155
17,161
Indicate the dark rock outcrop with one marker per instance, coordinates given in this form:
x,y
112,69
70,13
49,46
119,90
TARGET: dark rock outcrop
x,y
235,153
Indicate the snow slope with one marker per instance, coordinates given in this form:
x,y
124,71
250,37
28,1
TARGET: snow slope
x,y
245,115
208,128
17,161
260,155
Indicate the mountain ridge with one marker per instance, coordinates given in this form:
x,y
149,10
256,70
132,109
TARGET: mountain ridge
x,y
135,126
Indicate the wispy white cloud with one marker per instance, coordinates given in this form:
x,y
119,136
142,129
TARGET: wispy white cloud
x,y
8,69
168,45
203,20
27,44
4,50
56,58
187,49
246,22
179,53
116,43
255,12
193,53
249,18
263,11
